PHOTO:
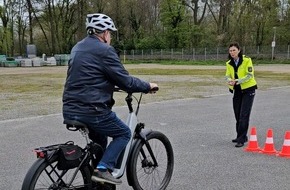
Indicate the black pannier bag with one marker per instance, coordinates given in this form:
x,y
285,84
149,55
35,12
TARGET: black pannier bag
x,y
69,156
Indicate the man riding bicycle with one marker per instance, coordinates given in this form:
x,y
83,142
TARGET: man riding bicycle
x,y
94,69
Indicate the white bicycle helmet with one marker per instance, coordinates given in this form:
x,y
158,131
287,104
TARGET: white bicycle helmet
x,y
100,22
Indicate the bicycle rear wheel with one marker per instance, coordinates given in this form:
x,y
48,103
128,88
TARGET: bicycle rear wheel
x,y
44,174
153,170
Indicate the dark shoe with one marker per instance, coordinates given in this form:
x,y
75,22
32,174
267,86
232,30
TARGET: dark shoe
x,y
105,177
235,140
238,145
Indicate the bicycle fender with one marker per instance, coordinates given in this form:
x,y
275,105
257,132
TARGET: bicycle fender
x,y
141,136
144,132
31,172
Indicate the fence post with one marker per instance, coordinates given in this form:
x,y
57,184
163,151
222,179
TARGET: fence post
x,y
133,54
171,53
161,54
182,54
193,53
124,57
142,54
288,51
205,54
217,53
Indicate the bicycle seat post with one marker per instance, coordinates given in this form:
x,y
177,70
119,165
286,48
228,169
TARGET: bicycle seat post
x,y
85,133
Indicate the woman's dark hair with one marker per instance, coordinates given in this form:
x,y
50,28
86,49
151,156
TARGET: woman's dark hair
x,y
235,44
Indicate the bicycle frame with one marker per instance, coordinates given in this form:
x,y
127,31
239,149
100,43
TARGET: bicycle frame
x,y
131,123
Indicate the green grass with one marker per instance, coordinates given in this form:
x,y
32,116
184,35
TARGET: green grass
x,y
29,94
32,83
269,62
52,84
207,62
191,72
174,62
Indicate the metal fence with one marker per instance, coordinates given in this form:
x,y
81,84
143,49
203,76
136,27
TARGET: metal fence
x,y
203,54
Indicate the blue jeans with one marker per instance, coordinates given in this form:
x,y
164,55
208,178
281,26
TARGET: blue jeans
x,y
103,126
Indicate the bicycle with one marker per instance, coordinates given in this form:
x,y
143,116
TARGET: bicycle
x,y
148,160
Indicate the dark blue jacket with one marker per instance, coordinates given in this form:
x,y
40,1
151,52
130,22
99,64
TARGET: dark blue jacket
x,y
94,69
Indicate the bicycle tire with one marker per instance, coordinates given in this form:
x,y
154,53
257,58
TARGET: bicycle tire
x,y
43,174
146,176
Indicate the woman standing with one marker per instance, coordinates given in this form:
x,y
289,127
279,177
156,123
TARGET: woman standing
x,y
241,81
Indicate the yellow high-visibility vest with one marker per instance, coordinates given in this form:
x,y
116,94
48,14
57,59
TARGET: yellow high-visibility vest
x,y
245,73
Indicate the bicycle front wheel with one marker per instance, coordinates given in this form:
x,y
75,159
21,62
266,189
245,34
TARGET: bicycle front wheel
x,y
44,174
151,163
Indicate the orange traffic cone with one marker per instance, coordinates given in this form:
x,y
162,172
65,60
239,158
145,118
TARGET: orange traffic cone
x,y
253,143
269,144
285,152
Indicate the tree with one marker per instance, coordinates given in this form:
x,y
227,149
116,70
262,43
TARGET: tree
x,y
54,26
172,17
257,21
220,11
21,25
198,9
30,12
283,35
196,13
5,14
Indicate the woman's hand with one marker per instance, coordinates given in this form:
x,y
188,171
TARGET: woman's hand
x,y
232,82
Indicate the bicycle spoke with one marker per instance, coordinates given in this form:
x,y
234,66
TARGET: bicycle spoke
x,y
151,175
49,177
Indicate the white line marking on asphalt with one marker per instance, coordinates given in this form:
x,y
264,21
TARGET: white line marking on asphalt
x,y
28,118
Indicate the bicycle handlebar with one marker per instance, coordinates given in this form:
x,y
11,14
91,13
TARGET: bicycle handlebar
x,y
129,98
153,90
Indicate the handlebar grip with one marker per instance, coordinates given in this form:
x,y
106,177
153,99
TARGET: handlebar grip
x,y
154,89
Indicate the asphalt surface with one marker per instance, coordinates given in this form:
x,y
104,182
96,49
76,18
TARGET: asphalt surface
x,y
200,131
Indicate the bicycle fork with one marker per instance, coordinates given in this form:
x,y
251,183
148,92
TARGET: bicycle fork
x,y
145,161
143,135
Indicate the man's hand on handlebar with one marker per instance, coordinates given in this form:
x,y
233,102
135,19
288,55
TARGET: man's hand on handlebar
x,y
153,88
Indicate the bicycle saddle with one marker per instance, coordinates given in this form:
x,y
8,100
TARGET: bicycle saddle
x,y
74,125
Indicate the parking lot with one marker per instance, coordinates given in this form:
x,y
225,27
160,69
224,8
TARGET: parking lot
x,y
200,131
